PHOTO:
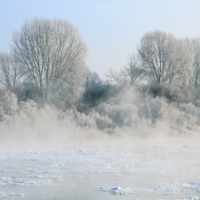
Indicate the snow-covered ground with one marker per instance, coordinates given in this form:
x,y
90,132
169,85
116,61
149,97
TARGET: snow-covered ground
x,y
170,171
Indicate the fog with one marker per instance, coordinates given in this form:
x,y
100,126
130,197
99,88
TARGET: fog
x,y
111,149
125,120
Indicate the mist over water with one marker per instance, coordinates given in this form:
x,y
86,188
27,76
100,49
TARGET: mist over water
x,y
109,150
122,119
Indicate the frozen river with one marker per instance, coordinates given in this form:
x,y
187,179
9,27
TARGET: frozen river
x,y
141,172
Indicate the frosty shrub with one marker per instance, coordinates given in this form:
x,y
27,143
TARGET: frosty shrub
x,y
151,109
170,93
181,119
126,113
119,111
29,92
197,103
8,105
81,119
116,115
197,94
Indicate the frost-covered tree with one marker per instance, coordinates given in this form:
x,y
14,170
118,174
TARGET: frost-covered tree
x,y
8,105
96,90
130,74
194,46
53,55
166,60
133,71
10,72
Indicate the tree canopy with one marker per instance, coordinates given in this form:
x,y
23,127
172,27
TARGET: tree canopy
x,y
165,58
53,56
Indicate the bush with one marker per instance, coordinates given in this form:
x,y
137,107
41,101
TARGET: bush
x,y
170,93
96,92
8,105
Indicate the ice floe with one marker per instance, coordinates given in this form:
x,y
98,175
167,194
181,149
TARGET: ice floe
x,y
48,167
161,189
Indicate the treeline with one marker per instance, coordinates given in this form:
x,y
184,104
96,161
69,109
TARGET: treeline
x,y
46,65
167,65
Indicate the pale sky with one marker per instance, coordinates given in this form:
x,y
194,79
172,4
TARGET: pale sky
x,y
111,29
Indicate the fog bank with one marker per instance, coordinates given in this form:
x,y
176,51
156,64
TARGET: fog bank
x,y
119,121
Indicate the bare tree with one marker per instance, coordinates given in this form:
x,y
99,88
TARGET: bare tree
x,y
130,74
133,71
165,59
10,72
194,46
53,53
116,77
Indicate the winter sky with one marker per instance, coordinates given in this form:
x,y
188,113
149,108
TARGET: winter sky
x,y
111,29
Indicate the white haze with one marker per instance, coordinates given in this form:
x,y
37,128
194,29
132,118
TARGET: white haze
x,y
125,121
130,144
